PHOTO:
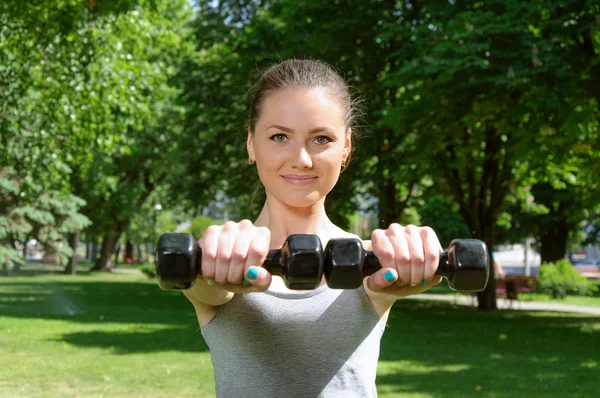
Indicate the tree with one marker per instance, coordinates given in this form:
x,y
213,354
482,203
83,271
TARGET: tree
x,y
471,92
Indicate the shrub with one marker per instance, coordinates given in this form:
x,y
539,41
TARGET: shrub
x,y
560,279
149,270
200,224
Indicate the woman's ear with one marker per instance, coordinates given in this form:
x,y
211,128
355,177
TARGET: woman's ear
x,y
250,145
348,144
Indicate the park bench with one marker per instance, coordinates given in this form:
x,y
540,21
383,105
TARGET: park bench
x,y
588,271
512,285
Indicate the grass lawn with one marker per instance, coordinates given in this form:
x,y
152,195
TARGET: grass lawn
x,y
119,335
590,301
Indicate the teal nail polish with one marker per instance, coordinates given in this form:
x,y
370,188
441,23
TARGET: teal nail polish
x,y
389,276
252,273
210,281
425,281
245,282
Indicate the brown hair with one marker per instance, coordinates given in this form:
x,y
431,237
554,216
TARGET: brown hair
x,y
308,74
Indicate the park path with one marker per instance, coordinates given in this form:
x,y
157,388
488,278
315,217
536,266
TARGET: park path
x,y
461,299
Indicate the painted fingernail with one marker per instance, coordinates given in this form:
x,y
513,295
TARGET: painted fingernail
x,y
210,281
425,281
245,282
252,273
413,284
400,284
389,276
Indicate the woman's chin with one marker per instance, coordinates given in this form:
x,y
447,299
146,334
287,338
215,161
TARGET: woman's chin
x,y
297,200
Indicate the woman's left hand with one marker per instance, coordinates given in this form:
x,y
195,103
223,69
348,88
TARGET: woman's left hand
x,y
409,257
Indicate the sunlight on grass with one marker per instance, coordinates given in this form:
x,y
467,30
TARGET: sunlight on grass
x,y
393,367
119,335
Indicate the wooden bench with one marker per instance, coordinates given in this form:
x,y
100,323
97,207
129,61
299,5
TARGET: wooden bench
x,y
588,271
511,285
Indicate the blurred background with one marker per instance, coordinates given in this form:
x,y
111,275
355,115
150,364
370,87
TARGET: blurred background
x,y
121,120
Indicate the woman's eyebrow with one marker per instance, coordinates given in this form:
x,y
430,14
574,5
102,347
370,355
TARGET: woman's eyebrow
x,y
289,130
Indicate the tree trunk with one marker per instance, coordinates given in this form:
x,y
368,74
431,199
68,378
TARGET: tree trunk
x,y
128,251
387,205
108,246
117,251
554,242
140,255
486,299
25,250
16,264
94,252
71,268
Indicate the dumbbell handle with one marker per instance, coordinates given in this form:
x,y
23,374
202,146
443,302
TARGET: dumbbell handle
x,y
372,264
273,263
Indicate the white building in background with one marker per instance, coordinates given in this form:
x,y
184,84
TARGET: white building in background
x,y
518,259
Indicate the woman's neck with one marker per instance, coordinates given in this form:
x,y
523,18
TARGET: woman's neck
x,y
283,220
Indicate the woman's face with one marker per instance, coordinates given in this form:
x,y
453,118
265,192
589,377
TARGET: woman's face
x,y
299,144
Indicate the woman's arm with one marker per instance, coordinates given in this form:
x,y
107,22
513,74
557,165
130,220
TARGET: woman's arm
x,y
203,293
380,302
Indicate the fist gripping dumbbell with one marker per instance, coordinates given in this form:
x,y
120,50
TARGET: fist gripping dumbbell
x,y
465,264
301,263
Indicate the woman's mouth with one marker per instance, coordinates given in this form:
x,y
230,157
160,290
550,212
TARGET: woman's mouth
x,y
299,180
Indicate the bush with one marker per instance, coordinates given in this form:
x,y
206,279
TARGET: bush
x,y
149,270
560,279
200,224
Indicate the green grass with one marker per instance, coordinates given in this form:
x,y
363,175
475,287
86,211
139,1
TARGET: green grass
x,y
119,335
589,301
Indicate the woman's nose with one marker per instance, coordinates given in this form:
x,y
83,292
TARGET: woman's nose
x,y
302,158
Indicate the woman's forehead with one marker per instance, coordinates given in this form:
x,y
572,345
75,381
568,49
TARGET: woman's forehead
x,y
298,106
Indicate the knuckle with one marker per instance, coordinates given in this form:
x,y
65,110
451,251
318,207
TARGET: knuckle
x,y
395,227
427,231
245,224
418,259
403,258
377,234
229,226
386,255
209,254
255,251
224,257
238,257
212,229
411,229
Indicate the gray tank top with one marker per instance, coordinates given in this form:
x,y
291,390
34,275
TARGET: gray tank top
x,y
321,343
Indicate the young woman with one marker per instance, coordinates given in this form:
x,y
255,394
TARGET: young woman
x,y
266,340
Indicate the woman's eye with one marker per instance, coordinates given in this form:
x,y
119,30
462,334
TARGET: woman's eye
x,y
323,139
320,140
277,136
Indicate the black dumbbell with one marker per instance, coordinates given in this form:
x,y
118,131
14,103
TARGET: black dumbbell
x,y
465,264
299,262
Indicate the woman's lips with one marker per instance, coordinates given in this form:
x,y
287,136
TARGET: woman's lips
x,y
299,181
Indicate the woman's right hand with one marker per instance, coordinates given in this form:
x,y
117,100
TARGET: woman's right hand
x,y
232,255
